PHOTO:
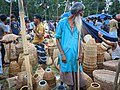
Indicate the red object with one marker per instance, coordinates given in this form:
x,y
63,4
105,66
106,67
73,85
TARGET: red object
x,y
118,16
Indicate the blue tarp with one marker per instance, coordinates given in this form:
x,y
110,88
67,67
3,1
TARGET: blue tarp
x,y
100,15
94,32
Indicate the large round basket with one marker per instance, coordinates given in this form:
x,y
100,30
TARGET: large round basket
x,y
111,65
42,85
87,37
100,60
94,86
99,49
19,48
105,78
90,60
24,88
14,68
107,56
89,68
55,54
50,51
88,80
38,74
50,78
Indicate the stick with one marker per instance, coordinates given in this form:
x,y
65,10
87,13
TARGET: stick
x,y
117,75
66,6
78,62
25,47
10,15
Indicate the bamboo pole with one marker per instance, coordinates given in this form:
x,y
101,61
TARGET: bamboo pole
x,y
116,77
78,74
66,6
10,15
25,47
9,53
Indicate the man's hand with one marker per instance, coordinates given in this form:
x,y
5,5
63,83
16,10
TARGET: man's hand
x,y
100,34
63,58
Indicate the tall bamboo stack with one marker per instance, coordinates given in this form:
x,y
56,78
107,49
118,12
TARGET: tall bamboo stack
x,y
90,56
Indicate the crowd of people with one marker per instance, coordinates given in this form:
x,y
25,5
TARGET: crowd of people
x,y
67,35
109,24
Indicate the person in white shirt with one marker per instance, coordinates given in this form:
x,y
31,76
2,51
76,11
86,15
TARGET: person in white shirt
x,y
115,47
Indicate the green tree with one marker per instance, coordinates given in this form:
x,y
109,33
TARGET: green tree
x,y
114,8
4,7
93,6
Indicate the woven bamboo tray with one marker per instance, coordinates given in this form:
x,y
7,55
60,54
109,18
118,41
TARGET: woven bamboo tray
x,y
111,65
105,78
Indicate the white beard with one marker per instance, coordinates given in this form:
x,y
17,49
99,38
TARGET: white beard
x,y
78,23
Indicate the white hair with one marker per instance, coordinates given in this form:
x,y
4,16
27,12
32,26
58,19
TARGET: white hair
x,y
78,23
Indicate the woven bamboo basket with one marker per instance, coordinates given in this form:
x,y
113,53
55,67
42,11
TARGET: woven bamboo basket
x,y
89,68
88,80
21,75
12,54
105,78
107,56
95,86
90,53
100,60
14,68
56,63
23,68
50,78
19,48
111,65
87,37
12,81
38,75
100,57
110,51
33,59
90,60
55,54
6,59
10,37
19,84
49,60
99,49
24,87
106,45
43,85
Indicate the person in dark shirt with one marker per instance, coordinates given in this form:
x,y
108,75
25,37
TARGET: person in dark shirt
x,y
15,26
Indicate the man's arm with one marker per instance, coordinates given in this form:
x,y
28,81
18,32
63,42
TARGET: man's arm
x,y
61,51
39,34
106,41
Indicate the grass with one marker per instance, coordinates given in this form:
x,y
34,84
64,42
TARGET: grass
x,y
6,73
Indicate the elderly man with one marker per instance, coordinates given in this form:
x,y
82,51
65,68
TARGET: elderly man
x,y
67,33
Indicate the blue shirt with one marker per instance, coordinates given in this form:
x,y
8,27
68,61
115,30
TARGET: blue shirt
x,y
69,44
15,27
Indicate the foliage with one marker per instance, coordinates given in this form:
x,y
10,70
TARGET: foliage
x,y
114,8
93,6
51,9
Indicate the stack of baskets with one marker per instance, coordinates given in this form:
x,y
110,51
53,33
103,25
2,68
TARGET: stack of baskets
x,y
100,56
90,56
